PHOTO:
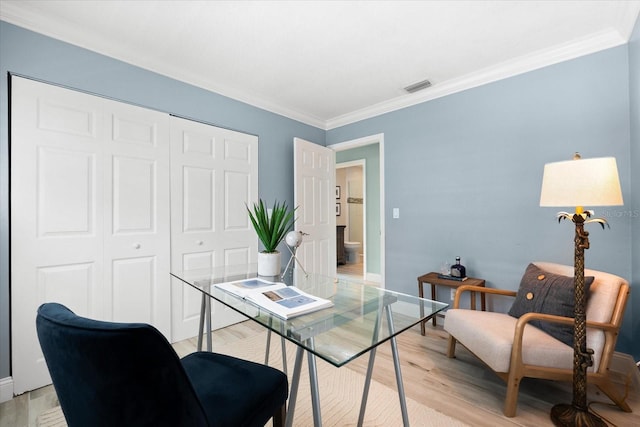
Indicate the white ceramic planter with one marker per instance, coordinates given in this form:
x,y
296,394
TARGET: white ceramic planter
x,y
268,264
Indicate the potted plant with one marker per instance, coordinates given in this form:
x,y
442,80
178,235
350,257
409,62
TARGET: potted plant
x,y
271,230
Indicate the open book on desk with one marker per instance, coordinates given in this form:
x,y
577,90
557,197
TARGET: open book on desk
x,y
276,297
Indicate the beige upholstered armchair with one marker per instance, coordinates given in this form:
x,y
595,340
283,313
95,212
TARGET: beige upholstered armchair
x,y
513,348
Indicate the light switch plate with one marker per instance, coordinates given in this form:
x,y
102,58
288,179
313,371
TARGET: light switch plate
x,y
396,213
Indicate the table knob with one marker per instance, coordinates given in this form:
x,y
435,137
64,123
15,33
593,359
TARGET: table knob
x,y
136,246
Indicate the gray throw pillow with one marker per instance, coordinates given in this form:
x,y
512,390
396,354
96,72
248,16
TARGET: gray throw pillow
x,y
548,293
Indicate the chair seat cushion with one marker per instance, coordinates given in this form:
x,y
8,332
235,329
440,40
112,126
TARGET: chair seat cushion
x,y
493,341
541,291
250,390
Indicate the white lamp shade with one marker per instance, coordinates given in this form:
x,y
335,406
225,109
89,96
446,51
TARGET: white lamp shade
x,y
581,182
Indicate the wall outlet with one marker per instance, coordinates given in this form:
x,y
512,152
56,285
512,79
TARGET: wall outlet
x,y
453,293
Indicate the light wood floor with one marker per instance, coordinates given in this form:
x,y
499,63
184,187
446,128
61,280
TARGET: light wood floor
x,y
461,388
355,270
464,388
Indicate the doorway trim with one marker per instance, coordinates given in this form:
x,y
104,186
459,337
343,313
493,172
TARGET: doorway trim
x,y
361,142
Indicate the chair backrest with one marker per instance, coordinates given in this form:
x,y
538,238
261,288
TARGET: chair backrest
x,y
115,374
606,302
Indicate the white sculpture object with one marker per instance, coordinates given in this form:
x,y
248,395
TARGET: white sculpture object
x,y
293,240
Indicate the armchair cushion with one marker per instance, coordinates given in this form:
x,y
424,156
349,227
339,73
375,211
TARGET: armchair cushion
x,y
541,291
492,342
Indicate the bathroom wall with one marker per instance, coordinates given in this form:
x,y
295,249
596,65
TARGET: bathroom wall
x,y
355,206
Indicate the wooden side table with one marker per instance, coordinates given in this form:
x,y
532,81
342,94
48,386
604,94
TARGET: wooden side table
x,y
433,279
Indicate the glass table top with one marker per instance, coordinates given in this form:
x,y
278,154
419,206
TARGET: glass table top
x,y
362,316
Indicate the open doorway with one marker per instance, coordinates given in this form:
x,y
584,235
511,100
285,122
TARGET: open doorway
x,y
351,217
361,198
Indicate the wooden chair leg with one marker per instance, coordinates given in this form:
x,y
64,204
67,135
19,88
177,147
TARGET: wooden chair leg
x,y
511,400
280,416
609,389
451,351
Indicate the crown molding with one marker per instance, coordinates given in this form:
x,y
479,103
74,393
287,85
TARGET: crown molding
x,y
537,60
69,33
597,42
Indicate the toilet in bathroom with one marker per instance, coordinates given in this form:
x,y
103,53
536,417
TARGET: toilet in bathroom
x,y
352,250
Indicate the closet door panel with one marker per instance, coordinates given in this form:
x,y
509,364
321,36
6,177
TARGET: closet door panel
x,y
199,199
214,176
89,214
56,215
137,238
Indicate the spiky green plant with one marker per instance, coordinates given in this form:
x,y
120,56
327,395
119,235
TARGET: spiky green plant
x,y
271,229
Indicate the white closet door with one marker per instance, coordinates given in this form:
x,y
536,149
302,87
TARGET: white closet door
x,y
137,237
214,175
82,200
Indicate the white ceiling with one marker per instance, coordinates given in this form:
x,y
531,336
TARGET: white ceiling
x,y
329,63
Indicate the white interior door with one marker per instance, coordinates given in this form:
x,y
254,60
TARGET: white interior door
x,y
314,190
214,176
89,214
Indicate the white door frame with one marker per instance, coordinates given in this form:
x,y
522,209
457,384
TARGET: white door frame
x,y
361,142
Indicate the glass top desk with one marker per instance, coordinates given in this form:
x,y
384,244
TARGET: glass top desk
x,y
361,318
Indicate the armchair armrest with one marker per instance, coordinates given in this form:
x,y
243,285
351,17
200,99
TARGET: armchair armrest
x,y
481,289
527,318
523,320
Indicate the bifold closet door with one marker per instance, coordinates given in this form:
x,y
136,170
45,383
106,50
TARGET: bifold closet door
x,y
89,214
214,176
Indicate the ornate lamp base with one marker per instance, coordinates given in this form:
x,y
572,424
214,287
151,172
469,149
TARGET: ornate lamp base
x,y
564,415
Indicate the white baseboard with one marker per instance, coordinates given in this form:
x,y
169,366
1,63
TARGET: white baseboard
x,y
624,364
6,389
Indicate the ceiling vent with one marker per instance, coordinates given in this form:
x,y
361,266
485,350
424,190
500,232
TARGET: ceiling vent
x,y
418,86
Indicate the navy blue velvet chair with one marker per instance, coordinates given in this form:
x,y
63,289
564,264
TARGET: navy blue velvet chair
x,y
127,374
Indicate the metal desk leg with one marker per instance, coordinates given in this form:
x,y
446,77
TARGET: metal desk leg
x,y
367,383
203,308
315,392
367,380
396,364
266,351
282,345
284,355
208,323
205,317
295,381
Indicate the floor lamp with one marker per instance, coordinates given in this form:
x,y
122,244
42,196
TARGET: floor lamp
x,y
580,182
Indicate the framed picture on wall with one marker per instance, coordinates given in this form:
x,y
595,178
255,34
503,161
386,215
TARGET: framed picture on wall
x,y
337,209
337,191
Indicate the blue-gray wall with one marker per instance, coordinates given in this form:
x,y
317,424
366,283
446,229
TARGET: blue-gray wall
x,y
465,171
371,154
33,55
634,203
